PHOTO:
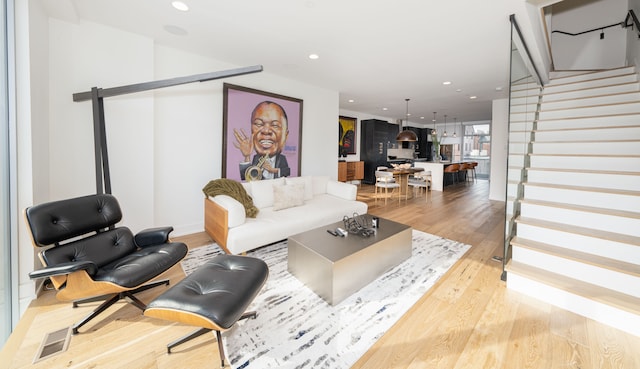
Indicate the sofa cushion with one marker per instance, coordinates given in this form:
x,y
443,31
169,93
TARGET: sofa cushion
x,y
342,190
236,213
288,195
247,187
319,184
262,192
306,181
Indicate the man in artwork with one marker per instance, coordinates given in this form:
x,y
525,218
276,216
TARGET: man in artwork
x,y
269,132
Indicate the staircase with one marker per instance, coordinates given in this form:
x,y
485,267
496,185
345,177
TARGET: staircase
x,y
574,195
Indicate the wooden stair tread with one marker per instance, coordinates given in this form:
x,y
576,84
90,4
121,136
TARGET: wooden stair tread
x,y
603,295
579,256
584,188
587,141
589,97
591,155
590,171
585,72
587,117
580,129
583,231
551,84
588,106
583,208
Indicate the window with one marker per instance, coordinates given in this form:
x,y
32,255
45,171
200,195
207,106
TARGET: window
x,y
477,147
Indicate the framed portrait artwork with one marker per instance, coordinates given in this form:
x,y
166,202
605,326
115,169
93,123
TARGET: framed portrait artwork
x,y
346,136
262,134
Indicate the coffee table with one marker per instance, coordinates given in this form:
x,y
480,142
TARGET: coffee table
x,y
336,267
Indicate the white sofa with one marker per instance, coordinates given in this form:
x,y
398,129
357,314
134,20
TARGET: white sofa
x,y
324,201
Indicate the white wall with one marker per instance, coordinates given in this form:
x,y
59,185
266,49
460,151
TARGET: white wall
x,y
85,55
499,150
588,51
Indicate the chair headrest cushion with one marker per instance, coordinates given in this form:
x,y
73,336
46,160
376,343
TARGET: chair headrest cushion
x,y
61,220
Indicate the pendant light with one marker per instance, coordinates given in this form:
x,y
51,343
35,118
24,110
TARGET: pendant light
x,y
454,127
407,135
434,131
445,126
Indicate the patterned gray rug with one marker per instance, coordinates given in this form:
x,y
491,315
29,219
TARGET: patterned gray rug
x,y
297,329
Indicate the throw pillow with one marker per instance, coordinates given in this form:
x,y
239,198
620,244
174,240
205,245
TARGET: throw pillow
x,y
288,195
306,182
262,192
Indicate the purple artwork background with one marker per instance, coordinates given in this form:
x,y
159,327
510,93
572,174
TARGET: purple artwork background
x,y
240,104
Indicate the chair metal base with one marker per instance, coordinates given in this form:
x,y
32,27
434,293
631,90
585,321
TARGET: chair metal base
x,y
201,331
112,299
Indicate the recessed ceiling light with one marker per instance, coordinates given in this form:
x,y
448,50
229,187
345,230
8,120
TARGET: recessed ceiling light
x,y
473,97
351,100
446,83
459,90
313,56
385,109
180,6
498,88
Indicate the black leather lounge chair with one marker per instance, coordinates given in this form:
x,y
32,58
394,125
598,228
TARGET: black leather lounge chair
x,y
91,259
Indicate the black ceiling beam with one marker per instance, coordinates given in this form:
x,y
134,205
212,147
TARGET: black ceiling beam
x,y
139,87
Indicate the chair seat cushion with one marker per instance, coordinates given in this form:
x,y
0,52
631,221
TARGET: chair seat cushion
x,y
387,185
142,265
220,290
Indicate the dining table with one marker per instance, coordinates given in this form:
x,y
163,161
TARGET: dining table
x,y
402,174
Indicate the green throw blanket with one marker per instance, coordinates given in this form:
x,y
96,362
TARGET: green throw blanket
x,y
229,187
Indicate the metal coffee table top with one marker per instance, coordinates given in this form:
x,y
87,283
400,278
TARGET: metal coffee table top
x,y
336,248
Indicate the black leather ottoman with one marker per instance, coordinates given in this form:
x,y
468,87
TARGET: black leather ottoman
x,y
214,297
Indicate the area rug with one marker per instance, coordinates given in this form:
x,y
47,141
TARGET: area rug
x,y
295,328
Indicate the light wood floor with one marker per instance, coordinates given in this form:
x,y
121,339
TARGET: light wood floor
x,y
467,320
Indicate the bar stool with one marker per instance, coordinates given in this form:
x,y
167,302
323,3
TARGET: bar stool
x,y
474,164
453,170
464,168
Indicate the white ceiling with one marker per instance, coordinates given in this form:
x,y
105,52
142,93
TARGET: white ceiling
x,y
377,53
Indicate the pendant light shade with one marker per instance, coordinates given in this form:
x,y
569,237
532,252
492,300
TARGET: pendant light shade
x,y
434,131
445,126
407,135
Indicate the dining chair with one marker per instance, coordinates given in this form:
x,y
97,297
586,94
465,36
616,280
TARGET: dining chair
x,y
421,180
385,180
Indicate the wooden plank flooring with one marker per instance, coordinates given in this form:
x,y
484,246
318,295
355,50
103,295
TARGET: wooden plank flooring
x,y
467,320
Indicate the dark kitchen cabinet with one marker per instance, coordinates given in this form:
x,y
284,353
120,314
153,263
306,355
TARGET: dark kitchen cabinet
x,y
374,137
